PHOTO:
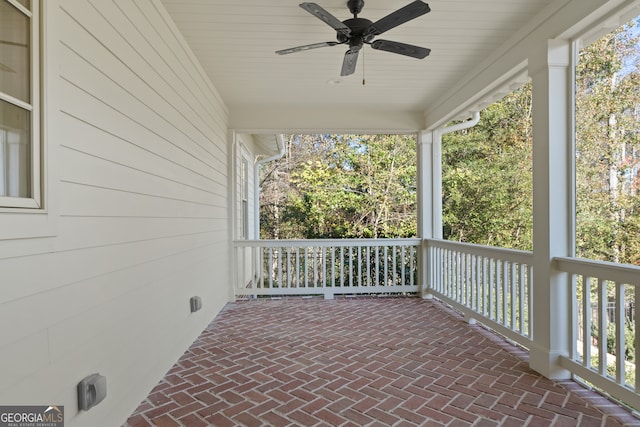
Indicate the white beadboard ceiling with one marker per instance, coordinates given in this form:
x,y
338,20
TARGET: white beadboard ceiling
x,y
235,41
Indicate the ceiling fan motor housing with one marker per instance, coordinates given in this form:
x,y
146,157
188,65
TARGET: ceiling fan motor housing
x,y
358,27
355,6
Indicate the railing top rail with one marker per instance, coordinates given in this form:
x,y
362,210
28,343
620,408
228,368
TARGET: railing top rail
x,y
512,255
620,273
326,243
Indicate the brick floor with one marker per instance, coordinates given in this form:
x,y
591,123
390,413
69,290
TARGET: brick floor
x,y
361,361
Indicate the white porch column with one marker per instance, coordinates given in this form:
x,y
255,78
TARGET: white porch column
x,y
550,69
429,203
429,180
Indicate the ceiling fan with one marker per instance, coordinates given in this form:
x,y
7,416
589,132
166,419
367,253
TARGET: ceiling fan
x,y
359,31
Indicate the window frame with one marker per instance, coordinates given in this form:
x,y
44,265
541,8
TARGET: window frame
x,y
35,201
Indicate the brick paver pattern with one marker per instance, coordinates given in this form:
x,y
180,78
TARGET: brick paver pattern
x,y
361,362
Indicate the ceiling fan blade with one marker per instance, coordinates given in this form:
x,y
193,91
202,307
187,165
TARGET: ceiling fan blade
x,y
401,48
305,47
400,16
328,18
349,62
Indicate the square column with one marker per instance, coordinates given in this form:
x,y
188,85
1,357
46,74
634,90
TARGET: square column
x,y
429,185
550,69
429,202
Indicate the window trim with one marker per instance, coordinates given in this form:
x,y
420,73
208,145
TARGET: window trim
x,y
32,224
35,202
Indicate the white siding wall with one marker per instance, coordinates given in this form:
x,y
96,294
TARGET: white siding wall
x,y
142,217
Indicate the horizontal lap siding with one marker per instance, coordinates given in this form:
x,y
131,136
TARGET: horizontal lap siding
x,y
143,217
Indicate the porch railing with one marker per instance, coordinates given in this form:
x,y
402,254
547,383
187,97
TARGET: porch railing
x,y
487,284
327,267
605,344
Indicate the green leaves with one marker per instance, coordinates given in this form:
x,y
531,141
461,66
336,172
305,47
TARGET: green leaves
x,y
608,148
487,186
343,186
487,189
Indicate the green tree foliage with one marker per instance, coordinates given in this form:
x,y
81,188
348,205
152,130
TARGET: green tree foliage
x,y
486,174
608,148
608,159
341,186
487,190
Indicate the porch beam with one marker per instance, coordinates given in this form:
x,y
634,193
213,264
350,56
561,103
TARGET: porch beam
x,y
550,69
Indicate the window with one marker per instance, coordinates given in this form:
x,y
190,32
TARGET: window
x,y
19,105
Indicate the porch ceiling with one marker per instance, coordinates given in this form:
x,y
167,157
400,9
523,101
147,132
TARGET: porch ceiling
x,y
235,41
